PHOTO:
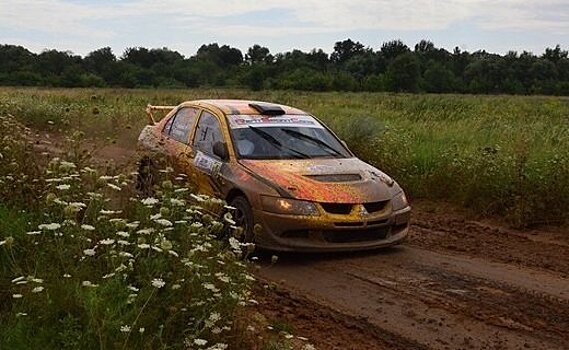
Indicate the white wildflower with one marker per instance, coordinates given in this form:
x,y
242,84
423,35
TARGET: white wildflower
x,y
114,187
164,222
78,205
177,202
133,224
150,201
145,231
110,212
65,165
89,252
89,284
158,283
50,227
133,288
210,286
200,342
234,243
18,279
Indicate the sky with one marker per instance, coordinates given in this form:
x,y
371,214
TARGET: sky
x,y
82,26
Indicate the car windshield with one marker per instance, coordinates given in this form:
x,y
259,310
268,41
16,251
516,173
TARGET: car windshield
x,y
284,137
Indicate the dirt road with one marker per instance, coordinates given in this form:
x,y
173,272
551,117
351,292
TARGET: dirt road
x,y
457,284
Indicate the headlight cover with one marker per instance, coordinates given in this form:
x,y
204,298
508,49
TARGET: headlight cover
x,y
281,205
399,201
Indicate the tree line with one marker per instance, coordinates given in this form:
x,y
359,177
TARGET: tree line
x,y
352,66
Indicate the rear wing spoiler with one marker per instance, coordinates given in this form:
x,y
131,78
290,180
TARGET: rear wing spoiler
x,y
151,108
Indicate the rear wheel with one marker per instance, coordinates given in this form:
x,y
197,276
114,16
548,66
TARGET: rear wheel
x,y
243,216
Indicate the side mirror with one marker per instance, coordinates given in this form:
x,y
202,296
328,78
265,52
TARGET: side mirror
x,y
220,150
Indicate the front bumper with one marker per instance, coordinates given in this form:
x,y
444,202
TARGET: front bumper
x,y
331,233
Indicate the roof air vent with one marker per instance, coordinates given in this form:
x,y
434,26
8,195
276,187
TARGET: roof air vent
x,y
267,109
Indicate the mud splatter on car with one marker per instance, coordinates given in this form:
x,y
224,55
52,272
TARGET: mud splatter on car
x,y
294,184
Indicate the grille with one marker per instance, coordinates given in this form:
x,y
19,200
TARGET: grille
x,y
335,177
375,206
356,235
337,208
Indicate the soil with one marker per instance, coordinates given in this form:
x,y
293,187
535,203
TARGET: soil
x,y
459,282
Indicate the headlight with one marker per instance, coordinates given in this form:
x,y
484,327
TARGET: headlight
x,y
399,201
288,206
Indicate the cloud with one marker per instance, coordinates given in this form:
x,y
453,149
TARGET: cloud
x,y
98,21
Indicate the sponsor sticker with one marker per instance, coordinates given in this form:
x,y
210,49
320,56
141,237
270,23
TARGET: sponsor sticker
x,y
206,163
244,121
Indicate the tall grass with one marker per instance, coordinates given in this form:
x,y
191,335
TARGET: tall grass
x,y
87,262
500,155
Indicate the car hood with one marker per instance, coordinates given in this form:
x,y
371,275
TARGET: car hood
x,y
347,180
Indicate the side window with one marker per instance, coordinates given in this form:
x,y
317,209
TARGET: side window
x,y
208,132
182,124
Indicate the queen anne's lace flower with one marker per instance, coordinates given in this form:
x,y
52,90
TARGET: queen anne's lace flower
x,y
158,283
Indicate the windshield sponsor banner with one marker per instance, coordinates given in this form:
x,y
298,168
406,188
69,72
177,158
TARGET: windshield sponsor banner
x,y
298,121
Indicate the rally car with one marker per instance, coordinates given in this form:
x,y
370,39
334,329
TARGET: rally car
x,y
294,184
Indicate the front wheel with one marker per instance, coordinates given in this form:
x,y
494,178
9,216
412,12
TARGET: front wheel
x,y
243,216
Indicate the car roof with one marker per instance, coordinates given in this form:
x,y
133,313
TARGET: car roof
x,y
241,107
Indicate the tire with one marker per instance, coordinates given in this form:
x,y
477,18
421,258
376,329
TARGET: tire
x,y
243,216
147,176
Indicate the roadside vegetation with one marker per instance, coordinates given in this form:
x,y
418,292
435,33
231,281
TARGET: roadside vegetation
x,y
498,155
88,263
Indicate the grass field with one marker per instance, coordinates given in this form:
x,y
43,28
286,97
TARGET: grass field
x,y
499,155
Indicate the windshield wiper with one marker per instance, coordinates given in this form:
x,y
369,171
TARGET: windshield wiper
x,y
273,141
314,140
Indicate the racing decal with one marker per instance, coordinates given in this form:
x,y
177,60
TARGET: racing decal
x,y
206,163
244,121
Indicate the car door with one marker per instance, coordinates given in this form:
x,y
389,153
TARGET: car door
x,y
177,134
207,132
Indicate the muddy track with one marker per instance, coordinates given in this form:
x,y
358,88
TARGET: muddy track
x,y
457,284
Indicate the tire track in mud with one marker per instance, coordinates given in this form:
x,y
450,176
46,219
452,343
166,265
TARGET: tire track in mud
x,y
452,233
434,300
